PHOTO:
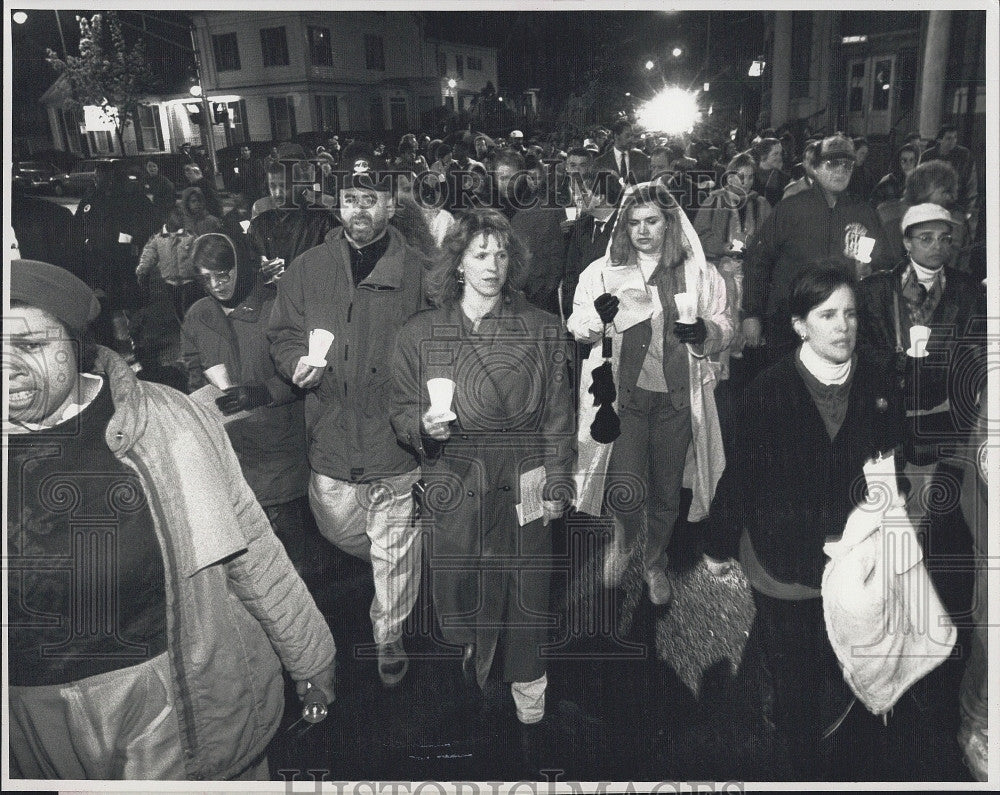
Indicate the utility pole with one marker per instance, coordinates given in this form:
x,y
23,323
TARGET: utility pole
x,y
206,110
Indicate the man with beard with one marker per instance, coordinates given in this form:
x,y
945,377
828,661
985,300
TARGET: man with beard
x,y
361,284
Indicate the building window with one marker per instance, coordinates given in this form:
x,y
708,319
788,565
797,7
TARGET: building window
x,y
375,113
459,67
327,113
802,24
442,61
319,47
148,133
374,52
474,62
397,113
226,52
282,118
238,121
274,46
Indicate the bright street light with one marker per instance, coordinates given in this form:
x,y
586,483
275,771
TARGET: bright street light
x,y
19,17
650,65
195,90
452,82
677,52
673,111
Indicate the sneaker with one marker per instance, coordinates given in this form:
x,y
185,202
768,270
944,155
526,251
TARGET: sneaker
x,y
392,662
660,591
529,700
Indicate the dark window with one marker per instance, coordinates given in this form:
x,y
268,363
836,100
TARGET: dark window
x,y
319,47
148,132
226,51
374,52
376,114
238,121
282,118
802,23
475,63
274,46
327,113
442,59
459,67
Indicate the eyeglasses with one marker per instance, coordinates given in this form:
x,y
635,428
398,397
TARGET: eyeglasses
x,y
843,163
929,239
363,200
217,277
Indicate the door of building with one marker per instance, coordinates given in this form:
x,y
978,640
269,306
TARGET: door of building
x,y
871,88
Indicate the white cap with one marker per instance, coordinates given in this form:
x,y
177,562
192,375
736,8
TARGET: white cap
x,y
922,213
516,134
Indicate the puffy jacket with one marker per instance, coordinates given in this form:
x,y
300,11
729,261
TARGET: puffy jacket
x,y
236,610
170,254
347,415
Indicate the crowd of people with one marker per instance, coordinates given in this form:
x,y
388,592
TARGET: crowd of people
x,y
493,334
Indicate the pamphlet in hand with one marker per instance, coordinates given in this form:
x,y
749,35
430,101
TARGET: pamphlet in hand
x,y
634,295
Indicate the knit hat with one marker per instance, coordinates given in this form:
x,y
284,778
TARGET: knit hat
x,y
54,290
922,213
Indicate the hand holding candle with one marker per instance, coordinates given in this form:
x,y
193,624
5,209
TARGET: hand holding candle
x,y
218,376
919,335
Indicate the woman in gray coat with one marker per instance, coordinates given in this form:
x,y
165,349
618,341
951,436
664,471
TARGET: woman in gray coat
x,y
497,461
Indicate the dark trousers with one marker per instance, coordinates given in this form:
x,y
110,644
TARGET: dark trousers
x,y
807,687
647,460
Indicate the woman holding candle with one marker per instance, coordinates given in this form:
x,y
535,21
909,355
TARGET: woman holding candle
x,y
664,377
226,331
497,461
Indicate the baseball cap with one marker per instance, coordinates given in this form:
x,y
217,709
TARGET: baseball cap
x,y
922,213
835,147
516,134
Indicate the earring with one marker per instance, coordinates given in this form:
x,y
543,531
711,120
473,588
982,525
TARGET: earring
x,y
460,276
804,337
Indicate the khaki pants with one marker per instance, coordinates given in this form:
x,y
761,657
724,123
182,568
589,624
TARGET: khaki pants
x,y
372,521
116,725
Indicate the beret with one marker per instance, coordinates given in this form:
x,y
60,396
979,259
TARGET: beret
x,y
54,290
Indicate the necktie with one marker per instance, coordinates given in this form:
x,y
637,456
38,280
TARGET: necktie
x,y
598,230
623,170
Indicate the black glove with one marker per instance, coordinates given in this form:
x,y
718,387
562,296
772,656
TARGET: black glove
x,y
607,307
243,398
691,333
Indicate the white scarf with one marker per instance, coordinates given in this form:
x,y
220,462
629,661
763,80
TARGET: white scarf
x,y
825,372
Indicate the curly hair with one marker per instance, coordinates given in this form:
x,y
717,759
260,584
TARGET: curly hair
x,y
443,285
676,247
928,177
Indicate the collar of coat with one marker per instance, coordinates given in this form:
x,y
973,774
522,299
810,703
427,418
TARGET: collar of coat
x,y
389,270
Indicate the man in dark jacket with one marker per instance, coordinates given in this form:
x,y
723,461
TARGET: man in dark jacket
x,y
360,285
195,179
538,226
820,224
631,164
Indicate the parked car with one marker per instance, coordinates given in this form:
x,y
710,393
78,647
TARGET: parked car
x,y
77,181
81,178
34,174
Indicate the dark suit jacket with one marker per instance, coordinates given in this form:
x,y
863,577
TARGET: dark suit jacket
x,y
638,164
582,248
